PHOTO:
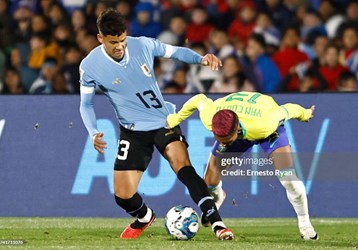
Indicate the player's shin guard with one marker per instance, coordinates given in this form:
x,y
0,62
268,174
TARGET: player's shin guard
x,y
134,206
296,194
199,193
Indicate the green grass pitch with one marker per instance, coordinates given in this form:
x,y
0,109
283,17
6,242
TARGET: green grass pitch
x,y
103,233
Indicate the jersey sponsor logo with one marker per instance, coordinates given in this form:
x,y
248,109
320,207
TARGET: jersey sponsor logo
x,y
116,81
146,70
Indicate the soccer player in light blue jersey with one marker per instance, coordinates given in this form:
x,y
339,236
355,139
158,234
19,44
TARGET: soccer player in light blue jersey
x,y
122,67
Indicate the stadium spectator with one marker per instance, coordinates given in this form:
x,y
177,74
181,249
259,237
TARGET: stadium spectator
x,y
158,72
141,112
12,82
18,60
170,9
225,12
288,57
59,85
237,132
41,48
178,27
219,44
6,27
124,7
44,83
73,57
143,23
200,78
233,79
271,34
78,20
62,35
22,17
350,19
307,82
241,28
281,15
326,9
320,44
310,72
88,43
45,6
349,52
80,36
199,26
99,7
175,34
331,69
40,24
347,81
311,26
265,74
172,87
179,78
58,15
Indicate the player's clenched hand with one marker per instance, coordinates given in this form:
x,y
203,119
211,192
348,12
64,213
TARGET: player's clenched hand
x,y
98,143
212,61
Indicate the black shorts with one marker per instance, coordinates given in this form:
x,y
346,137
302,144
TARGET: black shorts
x,y
135,148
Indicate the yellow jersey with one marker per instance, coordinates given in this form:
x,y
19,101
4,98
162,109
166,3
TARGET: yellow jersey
x,y
259,114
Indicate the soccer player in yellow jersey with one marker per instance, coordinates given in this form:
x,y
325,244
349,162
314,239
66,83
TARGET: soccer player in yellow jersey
x,y
241,120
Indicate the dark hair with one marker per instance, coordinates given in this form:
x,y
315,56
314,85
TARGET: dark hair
x,y
111,22
224,123
44,36
292,27
258,38
345,76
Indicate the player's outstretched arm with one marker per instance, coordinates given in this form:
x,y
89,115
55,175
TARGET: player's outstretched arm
x,y
295,111
187,110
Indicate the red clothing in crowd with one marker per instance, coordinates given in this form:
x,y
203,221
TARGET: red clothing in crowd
x,y
287,58
241,30
198,33
331,75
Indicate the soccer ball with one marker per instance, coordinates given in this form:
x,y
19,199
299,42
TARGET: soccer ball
x,y
182,222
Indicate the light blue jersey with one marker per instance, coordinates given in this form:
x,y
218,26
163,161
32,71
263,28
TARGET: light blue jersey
x,y
130,85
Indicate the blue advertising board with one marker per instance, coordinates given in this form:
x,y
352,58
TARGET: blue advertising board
x,y
48,166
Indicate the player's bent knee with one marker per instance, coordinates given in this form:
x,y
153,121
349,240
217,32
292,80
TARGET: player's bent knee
x,y
178,164
123,194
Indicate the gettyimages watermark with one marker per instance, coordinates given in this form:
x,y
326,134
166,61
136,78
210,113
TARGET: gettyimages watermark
x,y
243,167
323,166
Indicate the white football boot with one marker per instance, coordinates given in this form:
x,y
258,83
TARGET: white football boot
x,y
308,233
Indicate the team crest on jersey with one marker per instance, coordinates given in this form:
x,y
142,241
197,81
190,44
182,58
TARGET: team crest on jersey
x,y
116,81
146,70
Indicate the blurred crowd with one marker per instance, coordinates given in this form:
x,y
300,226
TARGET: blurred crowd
x,y
269,46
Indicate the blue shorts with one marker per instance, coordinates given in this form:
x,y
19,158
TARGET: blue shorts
x,y
276,140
